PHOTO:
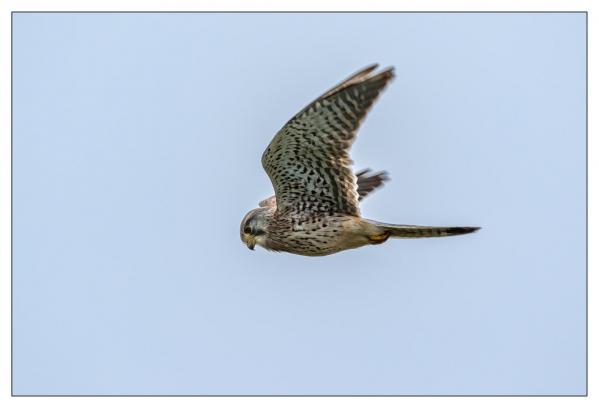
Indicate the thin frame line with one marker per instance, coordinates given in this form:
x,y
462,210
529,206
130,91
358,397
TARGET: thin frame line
x,y
301,12
298,12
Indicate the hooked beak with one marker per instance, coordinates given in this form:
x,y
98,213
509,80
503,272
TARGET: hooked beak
x,y
250,241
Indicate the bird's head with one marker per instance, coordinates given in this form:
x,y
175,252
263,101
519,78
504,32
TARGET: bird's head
x,y
254,227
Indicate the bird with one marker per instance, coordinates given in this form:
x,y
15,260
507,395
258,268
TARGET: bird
x,y
315,209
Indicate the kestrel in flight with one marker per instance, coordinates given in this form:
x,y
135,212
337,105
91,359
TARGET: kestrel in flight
x,y
315,209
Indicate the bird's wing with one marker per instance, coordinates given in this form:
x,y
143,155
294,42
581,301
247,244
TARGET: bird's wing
x,y
367,183
308,160
268,202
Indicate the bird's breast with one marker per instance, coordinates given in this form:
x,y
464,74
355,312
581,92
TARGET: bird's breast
x,y
316,235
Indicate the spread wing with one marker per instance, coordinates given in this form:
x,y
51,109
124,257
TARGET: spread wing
x,y
308,159
367,183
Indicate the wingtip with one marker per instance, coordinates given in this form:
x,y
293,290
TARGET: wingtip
x,y
387,75
363,172
390,71
369,173
369,69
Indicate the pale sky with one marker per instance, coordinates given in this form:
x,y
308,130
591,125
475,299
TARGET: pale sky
x,y
137,141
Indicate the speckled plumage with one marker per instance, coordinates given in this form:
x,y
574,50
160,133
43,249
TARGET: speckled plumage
x,y
315,210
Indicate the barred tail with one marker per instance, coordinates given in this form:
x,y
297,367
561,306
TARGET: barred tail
x,y
415,231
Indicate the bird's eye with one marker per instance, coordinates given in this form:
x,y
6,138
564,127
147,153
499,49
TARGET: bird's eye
x,y
247,230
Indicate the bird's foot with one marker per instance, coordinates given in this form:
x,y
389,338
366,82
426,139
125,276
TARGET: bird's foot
x,y
376,239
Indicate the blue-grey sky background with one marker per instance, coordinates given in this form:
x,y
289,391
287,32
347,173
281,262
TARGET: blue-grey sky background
x,y
136,153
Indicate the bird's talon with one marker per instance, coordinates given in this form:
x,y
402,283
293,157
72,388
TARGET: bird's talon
x,y
379,238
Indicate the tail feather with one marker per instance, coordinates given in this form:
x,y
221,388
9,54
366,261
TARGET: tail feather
x,y
417,231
